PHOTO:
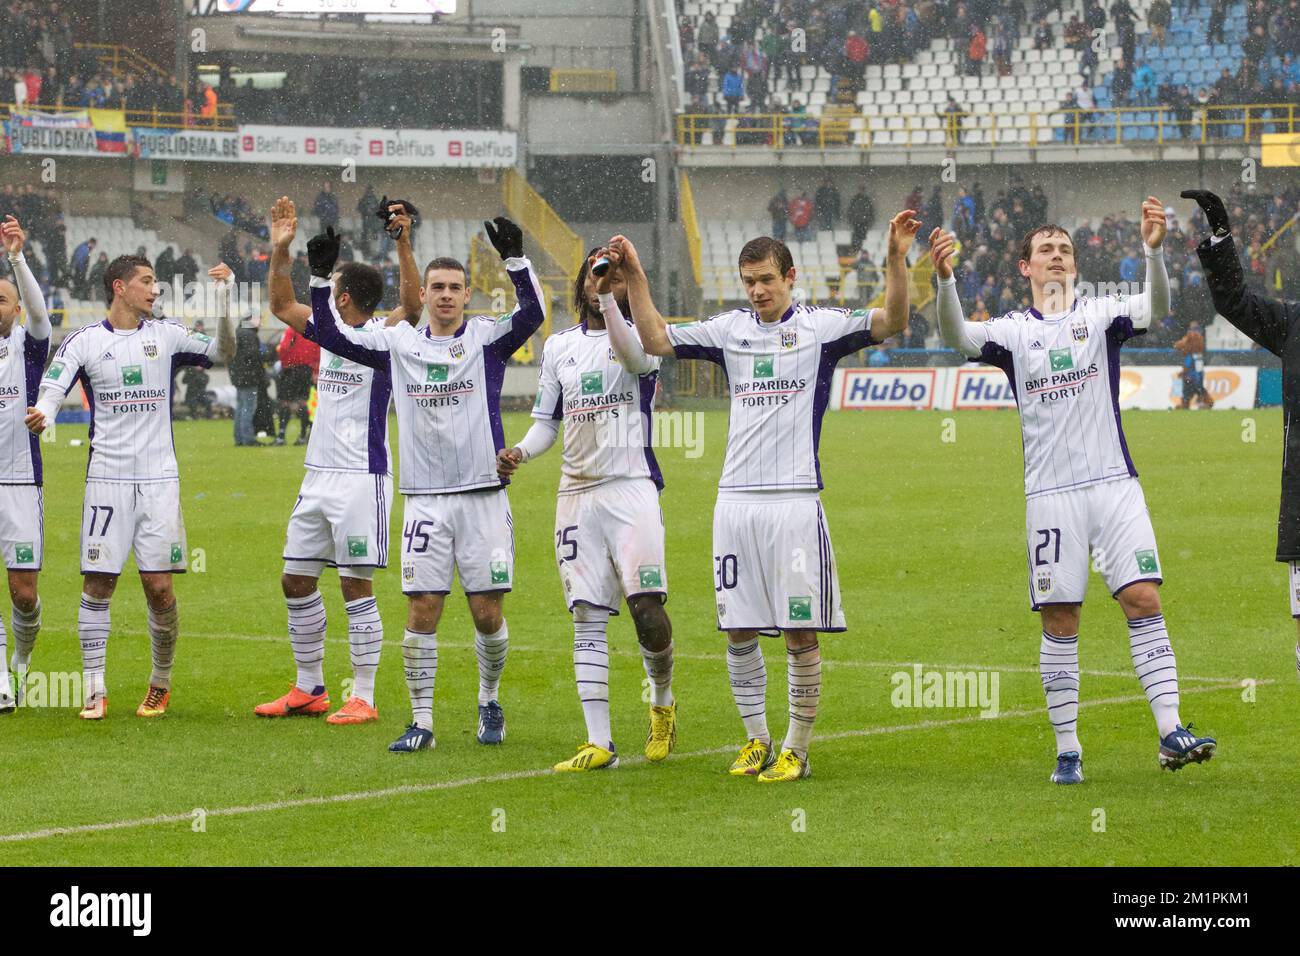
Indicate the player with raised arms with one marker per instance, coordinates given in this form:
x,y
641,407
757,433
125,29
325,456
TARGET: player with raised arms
x,y
609,532
774,567
342,513
23,351
126,365
1082,494
447,379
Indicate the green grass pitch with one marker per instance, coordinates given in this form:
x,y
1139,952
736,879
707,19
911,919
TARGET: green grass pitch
x,y
928,535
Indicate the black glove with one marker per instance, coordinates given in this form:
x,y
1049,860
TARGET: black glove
x,y
387,216
322,253
507,238
1215,212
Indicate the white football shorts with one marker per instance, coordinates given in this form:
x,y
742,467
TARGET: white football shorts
x,y
773,565
1107,523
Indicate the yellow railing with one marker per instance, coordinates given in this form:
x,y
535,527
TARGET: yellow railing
x,y
584,81
119,60
527,207
224,121
686,199
1272,241
1131,126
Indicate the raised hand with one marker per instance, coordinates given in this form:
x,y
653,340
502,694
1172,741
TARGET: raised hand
x,y
1154,224
1215,212
902,230
322,253
942,246
623,254
605,282
506,237
284,222
220,273
14,237
398,215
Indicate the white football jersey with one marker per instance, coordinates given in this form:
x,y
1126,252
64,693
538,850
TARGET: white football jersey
x,y
447,388
780,379
607,411
22,359
127,377
350,431
1064,371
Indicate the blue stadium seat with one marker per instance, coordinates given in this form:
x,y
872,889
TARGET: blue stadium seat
x,y
1180,77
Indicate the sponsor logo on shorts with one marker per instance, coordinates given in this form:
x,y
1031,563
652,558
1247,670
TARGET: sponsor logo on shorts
x,y
763,366
789,338
437,372
132,375
593,383
1061,359
92,553
1146,561
1079,331
1043,582
177,554
358,546
55,370
408,572
500,572
25,552
651,576
150,350
801,608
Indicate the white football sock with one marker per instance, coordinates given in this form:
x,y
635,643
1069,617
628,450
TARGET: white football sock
x,y
591,670
307,635
1153,659
4,660
803,668
659,668
365,641
748,673
1297,660
1058,665
164,627
420,662
491,651
25,626
93,625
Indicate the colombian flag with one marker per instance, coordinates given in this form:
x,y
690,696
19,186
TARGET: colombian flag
x,y
110,130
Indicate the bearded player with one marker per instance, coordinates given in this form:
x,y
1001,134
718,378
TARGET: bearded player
x,y
609,534
1083,497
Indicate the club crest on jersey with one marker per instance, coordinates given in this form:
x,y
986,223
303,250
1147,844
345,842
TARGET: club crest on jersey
x,y
4,351
1061,359
593,383
132,375
436,372
1079,331
763,366
789,338
150,350
1043,582
612,356
457,350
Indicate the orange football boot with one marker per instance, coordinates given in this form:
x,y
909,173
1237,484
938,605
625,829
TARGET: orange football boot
x,y
155,703
354,711
296,703
95,708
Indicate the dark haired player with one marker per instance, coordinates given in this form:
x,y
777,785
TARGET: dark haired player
x,y
774,568
447,379
126,364
609,532
1083,497
341,516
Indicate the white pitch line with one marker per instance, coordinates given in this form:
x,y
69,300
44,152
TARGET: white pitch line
x,y
567,648
420,788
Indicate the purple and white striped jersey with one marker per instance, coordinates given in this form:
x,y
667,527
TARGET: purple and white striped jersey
x,y
22,359
1064,371
127,377
447,388
780,379
607,410
350,431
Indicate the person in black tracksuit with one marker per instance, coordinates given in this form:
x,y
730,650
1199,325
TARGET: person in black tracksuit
x,y
1275,326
